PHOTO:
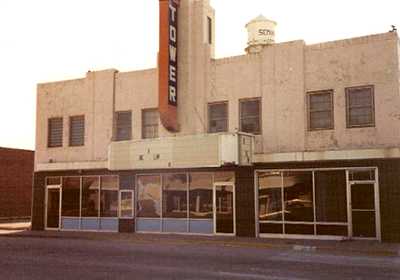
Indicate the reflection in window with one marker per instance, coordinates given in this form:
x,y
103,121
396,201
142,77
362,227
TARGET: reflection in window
x,y
70,196
109,196
126,204
270,196
149,196
175,196
298,194
224,176
201,195
90,196
330,196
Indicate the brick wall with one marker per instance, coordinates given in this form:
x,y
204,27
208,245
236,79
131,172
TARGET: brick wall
x,y
16,171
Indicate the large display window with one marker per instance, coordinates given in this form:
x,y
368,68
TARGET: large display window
x,y
88,202
316,202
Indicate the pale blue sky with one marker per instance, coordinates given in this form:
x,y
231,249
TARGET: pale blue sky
x,y
48,40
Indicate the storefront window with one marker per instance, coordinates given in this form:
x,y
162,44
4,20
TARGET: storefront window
x,y
109,196
298,195
175,196
149,196
90,196
70,196
201,196
297,212
270,196
330,196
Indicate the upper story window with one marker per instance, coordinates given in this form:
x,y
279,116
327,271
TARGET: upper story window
x,y
150,123
123,125
360,106
77,131
55,132
320,110
250,116
218,117
209,28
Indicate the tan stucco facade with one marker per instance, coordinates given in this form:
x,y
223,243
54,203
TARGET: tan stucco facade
x,y
280,74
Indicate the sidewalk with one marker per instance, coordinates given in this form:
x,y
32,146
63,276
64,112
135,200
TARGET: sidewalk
x,y
370,248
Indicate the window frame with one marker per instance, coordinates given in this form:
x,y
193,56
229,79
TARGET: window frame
x,y
70,130
332,109
48,132
209,115
259,99
144,111
348,93
120,207
116,138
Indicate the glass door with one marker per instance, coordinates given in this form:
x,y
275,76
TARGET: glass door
x,y
224,209
53,208
363,210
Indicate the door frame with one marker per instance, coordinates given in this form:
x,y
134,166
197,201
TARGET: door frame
x,y
378,235
59,188
215,185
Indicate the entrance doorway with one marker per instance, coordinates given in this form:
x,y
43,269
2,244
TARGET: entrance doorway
x,y
53,208
364,218
224,209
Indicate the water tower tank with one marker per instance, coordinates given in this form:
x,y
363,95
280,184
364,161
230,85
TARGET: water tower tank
x,y
261,32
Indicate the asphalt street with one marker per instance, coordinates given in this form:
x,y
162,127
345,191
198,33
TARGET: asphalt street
x,y
74,258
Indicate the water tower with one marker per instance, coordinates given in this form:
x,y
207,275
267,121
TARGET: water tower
x,y
261,33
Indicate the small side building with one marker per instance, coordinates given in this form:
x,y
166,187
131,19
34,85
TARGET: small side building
x,y
16,171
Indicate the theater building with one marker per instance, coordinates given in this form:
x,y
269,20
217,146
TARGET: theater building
x,y
288,140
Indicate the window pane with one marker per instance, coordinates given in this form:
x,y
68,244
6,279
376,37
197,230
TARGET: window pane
x,y
149,196
53,181
55,132
201,196
250,108
330,196
175,196
224,176
360,97
150,123
77,131
123,126
361,116
90,196
218,126
109,182
250,125
362,197
321,120
320,102
126,204
362,175
250,116
298,194
218,117
270,196
70,196
360,106
320,110
108,203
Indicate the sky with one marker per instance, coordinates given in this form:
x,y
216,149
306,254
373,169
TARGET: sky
x,y
51,40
